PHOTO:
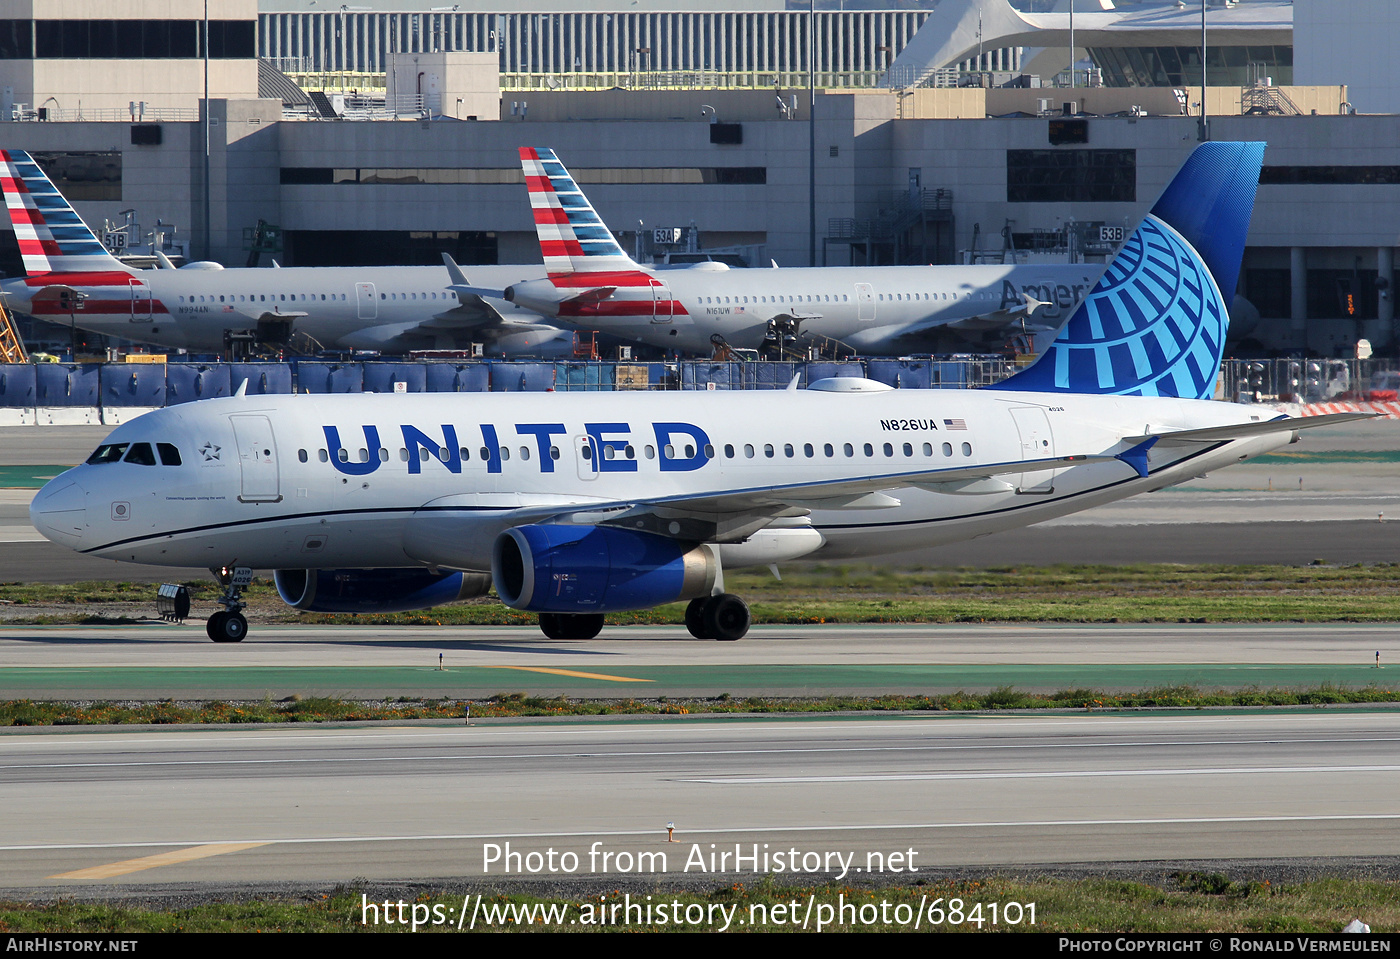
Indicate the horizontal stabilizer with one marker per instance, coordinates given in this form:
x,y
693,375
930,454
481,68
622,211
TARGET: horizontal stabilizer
x,y
1221,434
589,297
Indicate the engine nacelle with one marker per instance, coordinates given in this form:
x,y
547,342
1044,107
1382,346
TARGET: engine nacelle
x,y
375,590
553,568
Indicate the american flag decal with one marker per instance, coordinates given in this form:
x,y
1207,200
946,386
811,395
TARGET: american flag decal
x,y
955,424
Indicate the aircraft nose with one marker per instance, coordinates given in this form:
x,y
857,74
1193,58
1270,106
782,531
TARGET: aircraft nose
x,y
59,512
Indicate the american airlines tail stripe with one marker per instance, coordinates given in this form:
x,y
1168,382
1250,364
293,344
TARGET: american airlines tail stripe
x,y
550,214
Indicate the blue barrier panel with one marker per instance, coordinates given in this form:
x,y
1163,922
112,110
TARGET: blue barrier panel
x,y
458,377
383,377
263,378
699,374
902,374
187,382
775,375
822,371
133,384
584,376
330,378
17,384
521,377
67,384
948,375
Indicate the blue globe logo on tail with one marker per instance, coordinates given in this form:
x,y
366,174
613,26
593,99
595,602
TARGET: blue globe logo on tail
x,y
1155,323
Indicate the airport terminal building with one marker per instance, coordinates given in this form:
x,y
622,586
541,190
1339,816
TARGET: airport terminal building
x,y
428,162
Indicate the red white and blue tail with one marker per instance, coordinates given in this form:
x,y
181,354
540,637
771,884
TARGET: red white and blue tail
x,y
52,237
573,238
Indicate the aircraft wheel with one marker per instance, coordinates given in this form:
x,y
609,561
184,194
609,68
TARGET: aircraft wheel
x,y
695,618
726,617
553,626
225,627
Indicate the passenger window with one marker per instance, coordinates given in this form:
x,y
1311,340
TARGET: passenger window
x,y
768,450
729,451
301,455
323,456
141,455
869,450
807,449
788,450
947,449
849,449
967,449
889,450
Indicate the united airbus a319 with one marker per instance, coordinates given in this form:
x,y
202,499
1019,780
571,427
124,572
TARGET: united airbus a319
x,y
574,505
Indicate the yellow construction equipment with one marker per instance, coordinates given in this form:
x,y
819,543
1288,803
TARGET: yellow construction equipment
x,y
11,346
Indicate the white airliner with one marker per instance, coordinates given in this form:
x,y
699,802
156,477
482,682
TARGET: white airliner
x,y
576,505
388,308
873,310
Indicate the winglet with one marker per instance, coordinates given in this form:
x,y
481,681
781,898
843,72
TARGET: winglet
x,y
1137,456
454,272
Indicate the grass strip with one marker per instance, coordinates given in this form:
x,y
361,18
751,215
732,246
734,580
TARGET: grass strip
x,y
1181,902
25,712
1148,593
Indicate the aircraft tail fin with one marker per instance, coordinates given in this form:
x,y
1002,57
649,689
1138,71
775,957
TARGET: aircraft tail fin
x,y
52,237
1155,323
573,238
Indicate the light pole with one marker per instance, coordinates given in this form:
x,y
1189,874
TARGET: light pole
x,y
812,134
1203,121
1071,43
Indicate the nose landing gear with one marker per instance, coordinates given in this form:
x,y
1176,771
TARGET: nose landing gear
x,y
229,624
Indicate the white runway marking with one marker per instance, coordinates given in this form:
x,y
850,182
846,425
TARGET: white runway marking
x,y
696,831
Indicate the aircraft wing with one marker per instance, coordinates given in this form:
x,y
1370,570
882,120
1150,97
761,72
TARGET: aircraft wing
x,y
476,318
733,515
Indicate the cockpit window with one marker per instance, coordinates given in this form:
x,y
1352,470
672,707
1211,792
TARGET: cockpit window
x,y
141,454
169,454
107,453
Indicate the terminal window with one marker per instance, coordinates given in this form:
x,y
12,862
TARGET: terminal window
x,y
1071,176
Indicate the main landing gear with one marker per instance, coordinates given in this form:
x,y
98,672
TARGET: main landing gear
x,y
724,617
229,624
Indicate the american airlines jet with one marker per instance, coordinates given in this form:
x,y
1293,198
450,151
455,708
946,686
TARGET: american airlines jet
x,y
576,505
594,285
73,279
